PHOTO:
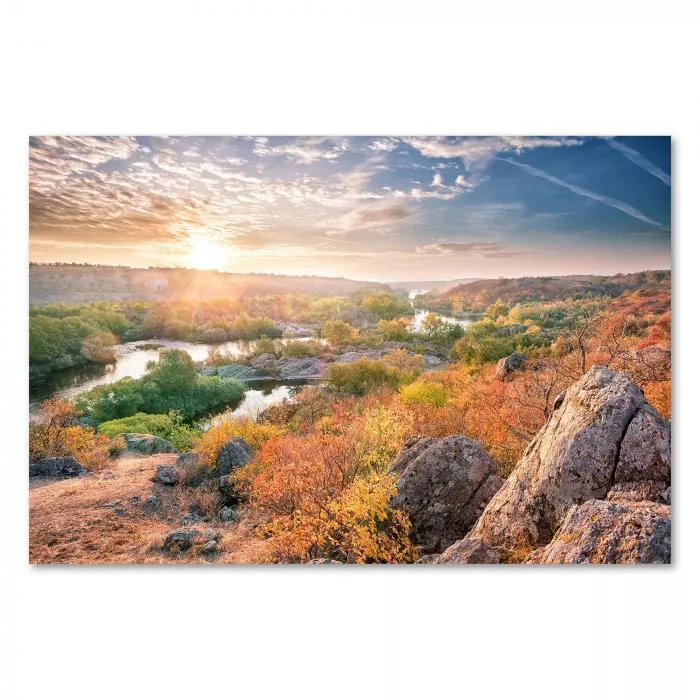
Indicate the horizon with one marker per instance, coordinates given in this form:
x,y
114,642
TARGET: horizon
x,y
369,208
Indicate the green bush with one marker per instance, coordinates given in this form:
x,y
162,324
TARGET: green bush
x,y
363,376
424,394
168,426
168,385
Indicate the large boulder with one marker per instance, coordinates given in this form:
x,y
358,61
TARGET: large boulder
x,y
602,439
57,468
443,487
234,454
601,532
510,364
302,368
146,444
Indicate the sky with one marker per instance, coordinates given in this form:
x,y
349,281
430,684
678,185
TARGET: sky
x,y
374,208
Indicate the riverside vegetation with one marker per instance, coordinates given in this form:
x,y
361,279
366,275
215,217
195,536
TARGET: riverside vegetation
x,y
334,472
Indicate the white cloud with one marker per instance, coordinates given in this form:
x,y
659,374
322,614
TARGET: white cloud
x,y
638,159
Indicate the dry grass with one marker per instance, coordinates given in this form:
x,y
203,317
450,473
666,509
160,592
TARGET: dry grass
x,y
70,523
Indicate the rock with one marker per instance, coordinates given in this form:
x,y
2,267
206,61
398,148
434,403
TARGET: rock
x,y
87,422
134,500
602,437
510,364
601,532
190,519
166,475
431,360
263,360
243,373
178,540
151,502
211,535
111,504
57,467
119,511
146,444
443,487
228,515
227,490
209,548
209,371
301,368
355,355
428,559
323,561
235,454
468,551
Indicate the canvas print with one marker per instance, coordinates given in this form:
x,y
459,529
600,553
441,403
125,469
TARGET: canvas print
x,y
349,350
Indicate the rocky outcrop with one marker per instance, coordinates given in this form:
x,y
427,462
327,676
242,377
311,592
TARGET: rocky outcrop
x,y
56,468
601,532
603,440
301,368
510,364
235,454
146,444
466,551
443,487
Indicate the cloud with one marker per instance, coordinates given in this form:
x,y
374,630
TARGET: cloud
x,y
603,199
304,150
477,152
487,249
385,143
371,216
638,159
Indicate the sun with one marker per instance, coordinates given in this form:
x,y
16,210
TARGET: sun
x,y
205,254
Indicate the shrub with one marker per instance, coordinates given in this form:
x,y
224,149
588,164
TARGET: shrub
x,y
99,347
53,434
362,376
424,393
303,348
168,426
338,332
224,428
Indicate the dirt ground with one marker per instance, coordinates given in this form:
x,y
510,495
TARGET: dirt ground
x,y
105,518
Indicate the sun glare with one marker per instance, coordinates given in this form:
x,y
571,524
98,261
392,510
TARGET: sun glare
x,y
206,254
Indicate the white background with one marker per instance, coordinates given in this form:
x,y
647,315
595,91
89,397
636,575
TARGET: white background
x,y
337,67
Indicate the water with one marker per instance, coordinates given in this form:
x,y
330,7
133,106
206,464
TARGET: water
x,y
131,362
421,314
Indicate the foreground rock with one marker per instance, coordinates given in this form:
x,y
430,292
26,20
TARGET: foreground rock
x,y
182,540
443,487
57,468
507,365
601,532
146,444
603,439
466,551
235,454
166,475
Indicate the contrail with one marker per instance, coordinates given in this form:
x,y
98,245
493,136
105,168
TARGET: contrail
x,y
640,160
609,201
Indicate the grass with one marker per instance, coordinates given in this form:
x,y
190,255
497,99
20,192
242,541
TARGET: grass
x,y
69,522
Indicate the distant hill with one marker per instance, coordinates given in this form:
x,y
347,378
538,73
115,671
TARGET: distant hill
x,y
80,284
431,285
522,289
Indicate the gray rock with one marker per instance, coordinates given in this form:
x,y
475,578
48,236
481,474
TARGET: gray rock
x,y
323,561
601,438
146,444
301,368
234,454
237,371
119,511
263,360
510,364
177,541
209,548
468,551
431,360
166,475
57,467
228,515
601,532
444,486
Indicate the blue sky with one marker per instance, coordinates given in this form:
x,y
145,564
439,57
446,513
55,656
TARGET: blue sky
x,y
381,208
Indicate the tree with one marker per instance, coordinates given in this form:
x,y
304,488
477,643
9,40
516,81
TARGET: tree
x,y
99,347
174,371
338,332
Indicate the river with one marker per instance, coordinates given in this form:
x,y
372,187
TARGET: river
x,y
132,359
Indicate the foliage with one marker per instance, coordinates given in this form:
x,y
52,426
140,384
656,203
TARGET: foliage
x,y
424,393
387,306
396,329
338,332
54,434
168,426
171,384
363,376
98,347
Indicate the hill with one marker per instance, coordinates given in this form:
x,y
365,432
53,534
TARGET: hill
x,y
481,293
80,284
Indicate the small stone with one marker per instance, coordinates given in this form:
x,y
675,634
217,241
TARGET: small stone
x,y
120,511
209,548
134,499
166,475
227,514
111,504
